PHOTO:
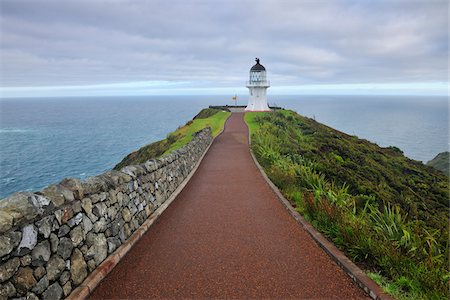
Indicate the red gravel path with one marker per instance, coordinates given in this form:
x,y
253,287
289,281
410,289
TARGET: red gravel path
x,y
227,236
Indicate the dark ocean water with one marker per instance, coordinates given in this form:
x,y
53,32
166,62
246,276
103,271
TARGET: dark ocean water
x,y
45,140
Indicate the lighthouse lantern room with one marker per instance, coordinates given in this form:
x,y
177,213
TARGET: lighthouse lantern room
x,y
257,86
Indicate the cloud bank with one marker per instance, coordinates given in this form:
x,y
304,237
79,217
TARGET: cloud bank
x,y
212,44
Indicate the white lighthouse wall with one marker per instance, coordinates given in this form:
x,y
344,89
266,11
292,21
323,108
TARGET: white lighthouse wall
x,y
258,99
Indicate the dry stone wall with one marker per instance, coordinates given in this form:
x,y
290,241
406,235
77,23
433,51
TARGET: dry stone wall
x,y
51,240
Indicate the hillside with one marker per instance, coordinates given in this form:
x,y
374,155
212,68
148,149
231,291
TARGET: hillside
x,y
205,118
441,162
387,212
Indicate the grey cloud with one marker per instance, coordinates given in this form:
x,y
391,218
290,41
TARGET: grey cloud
x,y
90,42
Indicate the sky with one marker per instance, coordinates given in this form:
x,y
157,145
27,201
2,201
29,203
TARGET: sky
x,y
98,47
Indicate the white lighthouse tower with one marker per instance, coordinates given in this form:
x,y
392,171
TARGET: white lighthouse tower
x,y
258,88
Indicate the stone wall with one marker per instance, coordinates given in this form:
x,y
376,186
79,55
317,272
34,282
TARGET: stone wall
x,y
51,240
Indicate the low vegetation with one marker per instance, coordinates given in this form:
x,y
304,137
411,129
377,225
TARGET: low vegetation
x,y
441,162
387,212
213,118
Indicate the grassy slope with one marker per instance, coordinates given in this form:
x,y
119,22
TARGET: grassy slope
x,y
387,212
177,139
441,162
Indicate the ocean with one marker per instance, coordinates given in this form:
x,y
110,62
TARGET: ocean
x,y
45,140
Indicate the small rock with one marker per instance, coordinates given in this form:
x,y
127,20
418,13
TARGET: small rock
x,y
75,220
75,185
65,248
99,209
6,221
41,253
45,226
126,214
31,296
8,268
58,194
78,270
86,204
87,224
55,267
6,245
77,235
29,240
39,272
41,286
7,290
63,230
54,292
67,288
54,242
91,265
113,244
25,260
24,280
65,276
40,202
100,225
99,249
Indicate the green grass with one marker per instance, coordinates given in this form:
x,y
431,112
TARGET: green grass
x,y
387,212
185,134
213,118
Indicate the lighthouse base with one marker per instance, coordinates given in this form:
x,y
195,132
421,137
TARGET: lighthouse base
x,y
257,105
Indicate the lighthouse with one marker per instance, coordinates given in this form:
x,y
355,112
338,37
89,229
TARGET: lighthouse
x,y
257,86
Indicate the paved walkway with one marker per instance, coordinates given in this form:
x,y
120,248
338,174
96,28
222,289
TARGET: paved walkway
x,y
227,236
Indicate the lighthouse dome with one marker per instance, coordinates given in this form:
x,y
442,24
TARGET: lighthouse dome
x,y
257,67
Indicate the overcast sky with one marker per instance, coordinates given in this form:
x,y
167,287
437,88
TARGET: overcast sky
x,y
163,47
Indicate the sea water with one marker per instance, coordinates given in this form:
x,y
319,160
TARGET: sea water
x,y
43,141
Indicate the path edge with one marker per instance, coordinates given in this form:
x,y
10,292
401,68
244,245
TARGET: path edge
x,y
350,268
93,280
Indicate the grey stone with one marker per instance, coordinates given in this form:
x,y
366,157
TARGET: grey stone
x,y
63,230
6,245
41,285
54,242
25,260
41,253
7,290
75,185
100,225
41,203
19,207
99,209
58,194
6,221
55,267
113,244
78,270
67,288
91,265
87,224
86,204
31,296
77,235
53,292
99,249
65,248
65,276
75,220
126,214
8,268
64,215
112,212
45,226
39,272
24,280
29,240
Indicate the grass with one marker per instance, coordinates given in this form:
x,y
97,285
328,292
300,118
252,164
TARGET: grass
x,y
213,118
387,212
